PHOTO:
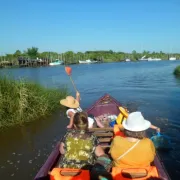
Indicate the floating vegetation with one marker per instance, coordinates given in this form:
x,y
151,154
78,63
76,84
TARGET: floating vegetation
x,y
177,71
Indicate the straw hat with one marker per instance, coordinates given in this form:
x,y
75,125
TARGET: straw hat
x,y
136,122
69,102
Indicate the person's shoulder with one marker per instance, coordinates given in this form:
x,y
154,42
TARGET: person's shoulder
x,y
147,140
70,132
70,112
118,139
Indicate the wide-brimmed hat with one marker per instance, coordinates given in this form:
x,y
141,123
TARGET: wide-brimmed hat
x,y
136,122
69,102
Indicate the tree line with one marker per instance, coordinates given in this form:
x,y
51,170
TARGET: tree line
x,y
71,57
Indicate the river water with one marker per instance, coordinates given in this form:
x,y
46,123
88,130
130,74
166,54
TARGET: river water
x,y
149,87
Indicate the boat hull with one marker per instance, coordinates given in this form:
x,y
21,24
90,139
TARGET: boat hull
x,y
55,64
104,105
172,59
87,62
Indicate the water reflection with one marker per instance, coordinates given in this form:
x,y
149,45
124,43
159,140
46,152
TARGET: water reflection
x,y
177,81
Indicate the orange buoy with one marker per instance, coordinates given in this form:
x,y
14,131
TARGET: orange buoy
x,y
68,70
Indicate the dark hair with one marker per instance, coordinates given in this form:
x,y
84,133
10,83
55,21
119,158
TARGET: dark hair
x,y
81,120
134,134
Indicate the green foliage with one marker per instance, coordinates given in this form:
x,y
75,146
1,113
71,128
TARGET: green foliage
x,y
17,53
32,52
177,71
22,101
71,57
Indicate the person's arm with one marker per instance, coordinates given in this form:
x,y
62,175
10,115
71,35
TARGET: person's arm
x,y
62,144
78,96
99,124
99,151
61,148
155,127
71,115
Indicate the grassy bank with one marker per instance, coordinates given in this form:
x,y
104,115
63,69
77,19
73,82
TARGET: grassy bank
x,y
177,71
22,101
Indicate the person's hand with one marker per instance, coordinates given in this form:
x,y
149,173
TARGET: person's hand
x,y
158,130
77,94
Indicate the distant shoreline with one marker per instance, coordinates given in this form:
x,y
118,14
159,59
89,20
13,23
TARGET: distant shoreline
x,y
44,64
32,58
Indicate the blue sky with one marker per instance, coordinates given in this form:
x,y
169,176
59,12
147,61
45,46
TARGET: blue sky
x,y
80,25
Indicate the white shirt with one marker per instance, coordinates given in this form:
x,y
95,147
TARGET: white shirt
x,y
90,120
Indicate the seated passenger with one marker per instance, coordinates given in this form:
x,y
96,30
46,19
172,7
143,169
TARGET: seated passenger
x,y
79,147
118,128
134,150
73,106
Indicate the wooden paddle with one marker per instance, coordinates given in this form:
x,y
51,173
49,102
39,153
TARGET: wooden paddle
x,y
69,72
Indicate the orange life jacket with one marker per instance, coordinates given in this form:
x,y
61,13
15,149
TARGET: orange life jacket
x,y
117,131
69,174
134,173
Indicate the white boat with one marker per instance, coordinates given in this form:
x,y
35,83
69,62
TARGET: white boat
x,y
88,61
172,58
154,59
149,59
56,62
143,59
127,60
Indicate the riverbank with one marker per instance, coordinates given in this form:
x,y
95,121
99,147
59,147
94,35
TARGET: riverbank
x,y
22,101
177,71
33,58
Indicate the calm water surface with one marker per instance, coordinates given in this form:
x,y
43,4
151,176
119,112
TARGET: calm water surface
x,y
149,87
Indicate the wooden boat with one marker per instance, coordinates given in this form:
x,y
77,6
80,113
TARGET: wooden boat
x,y
104,105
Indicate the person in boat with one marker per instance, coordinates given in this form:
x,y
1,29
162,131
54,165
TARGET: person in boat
x,y
73,107
118,129
79,147
133,150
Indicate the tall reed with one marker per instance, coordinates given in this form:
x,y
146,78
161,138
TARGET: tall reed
x,y
22,101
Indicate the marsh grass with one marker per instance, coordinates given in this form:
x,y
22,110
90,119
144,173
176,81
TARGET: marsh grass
x,y
22,101
177,71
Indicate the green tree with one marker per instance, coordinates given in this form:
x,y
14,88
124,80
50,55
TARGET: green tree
x,y
45,55
135,55
17,53
80,56
69,57
32,52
